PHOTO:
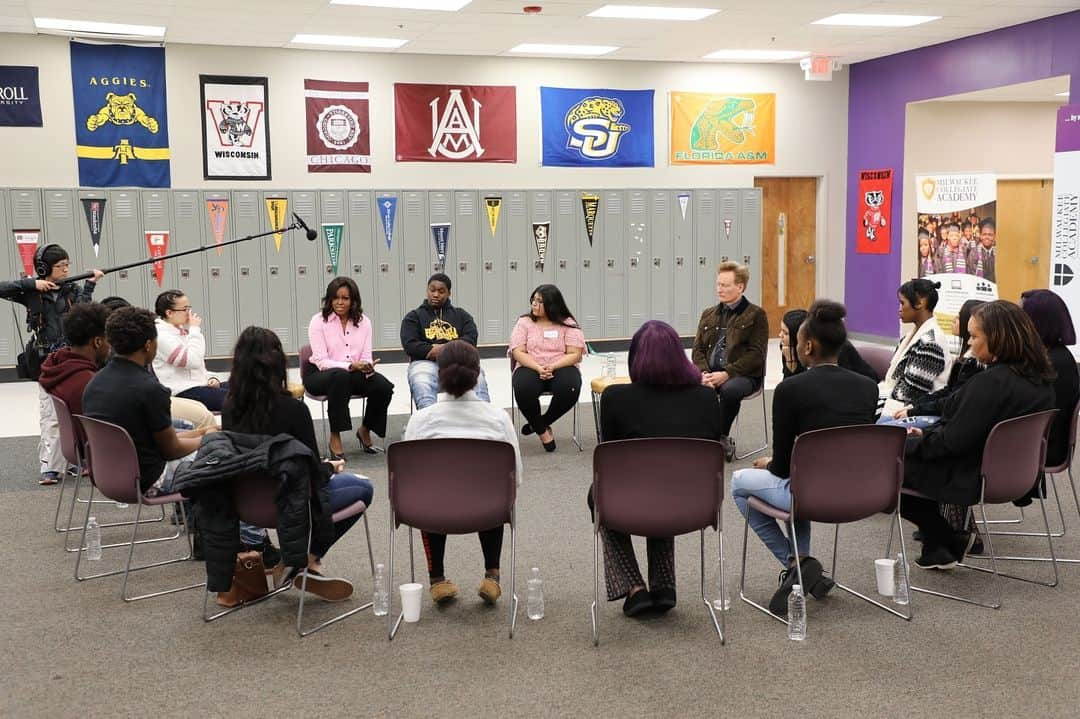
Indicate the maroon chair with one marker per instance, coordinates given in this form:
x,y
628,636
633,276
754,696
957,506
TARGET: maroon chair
x,y
878,357
114,472
473,489
839,475
305,369
513,408
759,394
254,498
658,487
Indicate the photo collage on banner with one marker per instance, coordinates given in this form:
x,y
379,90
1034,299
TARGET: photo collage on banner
x,y
1065,243
717,128
873,212
957,239
338,130
596,127
121,121
235,128
20,96
455,123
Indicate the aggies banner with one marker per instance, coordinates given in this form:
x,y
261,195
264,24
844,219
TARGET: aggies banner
x,y
875,212
235,128
338,131
455,123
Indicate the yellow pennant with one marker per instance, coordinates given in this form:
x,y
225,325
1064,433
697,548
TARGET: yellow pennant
x,y
277,208
493,205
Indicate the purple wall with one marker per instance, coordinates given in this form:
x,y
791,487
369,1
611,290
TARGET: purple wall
x,y
879,91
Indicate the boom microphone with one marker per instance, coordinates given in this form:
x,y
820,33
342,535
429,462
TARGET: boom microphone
x,y
311,234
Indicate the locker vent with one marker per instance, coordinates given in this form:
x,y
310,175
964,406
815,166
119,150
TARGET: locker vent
x,y
706,201
56,205
247,205
566,203
517,204
729,205
155,208
123,205
660,203
359,204
614,203
637,203
414,204
332,204
542,205
185,205
304,205
465,206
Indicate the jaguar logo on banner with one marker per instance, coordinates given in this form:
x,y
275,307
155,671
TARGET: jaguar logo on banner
x,y
451,123
596,127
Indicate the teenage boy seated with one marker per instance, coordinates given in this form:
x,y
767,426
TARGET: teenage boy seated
x,y
66,372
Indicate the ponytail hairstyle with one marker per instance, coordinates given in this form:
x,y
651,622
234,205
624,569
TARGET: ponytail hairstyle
x,y
922,288
825,326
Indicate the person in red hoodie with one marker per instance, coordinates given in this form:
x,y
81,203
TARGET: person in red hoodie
x,y
66,372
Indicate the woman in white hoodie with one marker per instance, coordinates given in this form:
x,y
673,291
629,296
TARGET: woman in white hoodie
x,y
180,363
921,362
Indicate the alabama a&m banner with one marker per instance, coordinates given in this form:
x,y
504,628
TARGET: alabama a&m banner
x,y
338,131
874,212
455,123
236,127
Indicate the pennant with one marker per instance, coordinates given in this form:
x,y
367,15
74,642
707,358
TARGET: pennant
x,y
727,227
27,242
277,208
684,202
387,211
493,205
333,232
95,212
219,213
158,245
541,230
589,205
440,234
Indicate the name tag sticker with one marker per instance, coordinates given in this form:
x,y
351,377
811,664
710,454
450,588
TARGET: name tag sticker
x,y
551,334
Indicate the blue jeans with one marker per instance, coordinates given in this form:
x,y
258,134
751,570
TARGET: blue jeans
x,y
767,487
920,421
424,383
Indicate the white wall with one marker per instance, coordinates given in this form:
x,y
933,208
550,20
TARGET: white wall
x,y
811,123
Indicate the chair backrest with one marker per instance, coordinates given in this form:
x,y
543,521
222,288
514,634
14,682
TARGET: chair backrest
x,y
877,357
254,496
1013,456
658,486
112,460
1072,443
71,438
452,486
844,474
305,361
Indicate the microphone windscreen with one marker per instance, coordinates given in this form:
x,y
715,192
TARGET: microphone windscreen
x,y
312,235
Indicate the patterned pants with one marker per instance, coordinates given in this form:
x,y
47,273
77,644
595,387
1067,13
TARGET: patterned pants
x,y
621,571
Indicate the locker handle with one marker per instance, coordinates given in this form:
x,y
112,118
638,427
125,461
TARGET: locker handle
x,y
489,266
656,262
329,269
586,264
123,274
438,266
215,272
245,271
538,265
633,262
185,272
301,270
562,264
463,266
746,259
723,258
513,266
411,267
701,260
274,269
384,267
611,264
679,261
357,269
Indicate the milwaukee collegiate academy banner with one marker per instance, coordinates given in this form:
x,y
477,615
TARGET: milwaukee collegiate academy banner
x,y
338,130
596,127
455,123
121,123
1065,242
235,128
20,98
874,212
723,129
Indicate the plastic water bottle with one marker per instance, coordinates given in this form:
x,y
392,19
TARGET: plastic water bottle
x,y
535,604
901,594
722,602
796,613
609,365
381,596
93,539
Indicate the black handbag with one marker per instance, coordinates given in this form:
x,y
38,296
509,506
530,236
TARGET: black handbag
x,y
28,362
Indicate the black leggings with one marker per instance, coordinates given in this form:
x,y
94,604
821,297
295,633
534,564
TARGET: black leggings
x,y
339,385
926,514
435,549
564,386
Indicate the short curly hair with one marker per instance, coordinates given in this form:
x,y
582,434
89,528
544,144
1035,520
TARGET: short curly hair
x,y
128,329
84,322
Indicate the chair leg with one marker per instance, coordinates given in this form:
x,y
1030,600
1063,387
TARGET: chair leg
x,y
1061,513
742,575
513,577
765,446
995,602
596,588
303,591
575,430
836,541
370,551
395,624
704,598
128,569
1052,558
391,625
596,421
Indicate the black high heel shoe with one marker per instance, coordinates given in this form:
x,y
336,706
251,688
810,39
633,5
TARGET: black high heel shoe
x,y
368,448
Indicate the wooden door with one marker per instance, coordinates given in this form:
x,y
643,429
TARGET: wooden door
x,y
788,228
1024,213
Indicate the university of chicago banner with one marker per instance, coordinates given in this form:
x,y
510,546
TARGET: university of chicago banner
x,y
338,131
455,123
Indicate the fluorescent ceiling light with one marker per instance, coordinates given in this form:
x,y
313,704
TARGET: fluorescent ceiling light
x,y
756,55
855,19
539,48
347,41
445,5
1062,94
86,27
651,12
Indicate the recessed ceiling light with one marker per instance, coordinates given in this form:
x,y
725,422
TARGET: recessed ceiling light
x,y
539,48
86,27
347,41
651,12
756,55
444,5
1062,94
855,19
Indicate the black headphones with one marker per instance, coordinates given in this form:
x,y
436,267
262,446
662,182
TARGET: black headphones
x,y
40,267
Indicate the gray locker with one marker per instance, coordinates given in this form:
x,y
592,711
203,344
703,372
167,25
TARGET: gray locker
x,y
309,276
750,239
491,312
126,243
391,303
332,210
439,209
463,253
187,273
10,263
684,306
614,271
639,253
540,210
61,225
219,271
24,208
728,227
357,248
520,256
127,284
706,258
590,309
155,209
568,231
419,252
660,265
266,277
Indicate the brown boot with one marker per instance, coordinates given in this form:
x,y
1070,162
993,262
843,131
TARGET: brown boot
x,y
249,580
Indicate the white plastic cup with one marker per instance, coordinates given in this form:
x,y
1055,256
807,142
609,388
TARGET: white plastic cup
x,y
885,570
410,600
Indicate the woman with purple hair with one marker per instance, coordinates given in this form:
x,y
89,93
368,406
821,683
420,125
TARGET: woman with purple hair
x,y
664,399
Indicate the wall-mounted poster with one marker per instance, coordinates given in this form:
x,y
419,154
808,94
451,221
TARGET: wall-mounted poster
x,y
1065,243
455,123
596,127
20,98
723,128
874,212
338,130
236,127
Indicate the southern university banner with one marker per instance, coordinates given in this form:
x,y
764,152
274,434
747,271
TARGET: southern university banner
x,y
121,127
597,127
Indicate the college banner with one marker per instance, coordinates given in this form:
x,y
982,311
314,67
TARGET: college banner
x,y
874,211
722,129
541,230
218,210
684,202
333,233
338,130
388,213
94,209
440,235
20,99
235,127
455,123
121,123
158,245
589,205
493,205
27,242
596,127
1065,244
278,209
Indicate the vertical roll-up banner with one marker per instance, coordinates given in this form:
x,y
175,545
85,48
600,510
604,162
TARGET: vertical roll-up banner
x,y
1065,244
333,234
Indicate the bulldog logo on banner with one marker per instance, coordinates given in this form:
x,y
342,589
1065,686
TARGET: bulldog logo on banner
x,y
449,123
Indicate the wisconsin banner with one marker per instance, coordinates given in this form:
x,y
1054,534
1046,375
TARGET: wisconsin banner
x,y
440,235
94,209
541,231
121,124
874,212
20,98
218,210
589,205
493,205
388,213
235,128
723,129
277,208
455,123
157,243
596,127
1065,242
27,242
338,130
333,233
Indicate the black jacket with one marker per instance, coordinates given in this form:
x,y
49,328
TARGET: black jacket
x,y
426,326
45,310
930,405
224,456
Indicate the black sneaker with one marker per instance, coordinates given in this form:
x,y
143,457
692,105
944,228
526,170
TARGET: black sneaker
x,y
663,598
936,558
811,576
638,603
961,544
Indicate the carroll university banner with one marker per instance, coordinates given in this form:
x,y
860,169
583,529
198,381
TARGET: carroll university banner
x,y
455,123
596,127
1065,244
121,123
723,128
235,128
20,98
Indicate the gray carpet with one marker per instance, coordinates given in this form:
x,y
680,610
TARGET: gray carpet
x,y
76,649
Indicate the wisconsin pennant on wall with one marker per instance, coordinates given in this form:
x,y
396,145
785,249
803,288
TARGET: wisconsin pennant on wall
x,y
387,214
277,208
94,208
493,205
589,206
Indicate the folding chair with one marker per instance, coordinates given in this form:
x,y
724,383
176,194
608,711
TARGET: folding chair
x,y
305,370
877,357
764,419
513,408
